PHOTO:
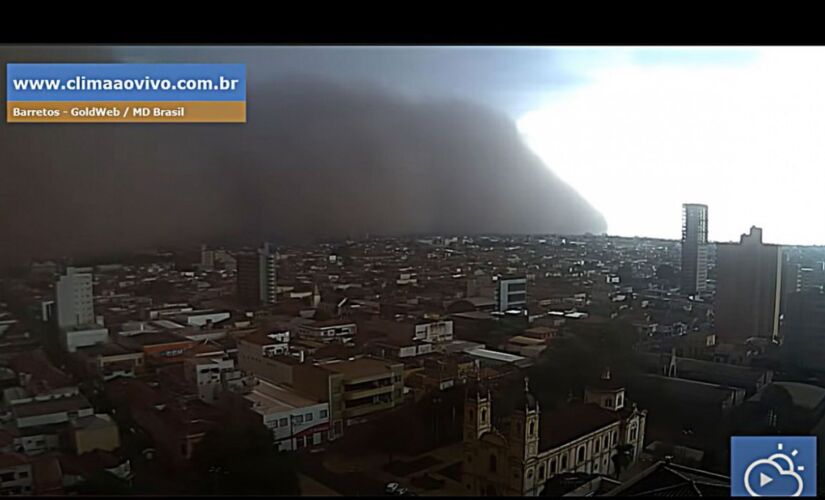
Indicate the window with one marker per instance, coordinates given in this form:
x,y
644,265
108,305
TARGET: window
x,y
614,438
580,456
299,419
8,476
633,433
608,402
323,414
24,473
606,444
532,428
563,464
530,474
275,424
308,417
483,415
553,466
283,422
541,472
596,446
596,467
493,464
619,400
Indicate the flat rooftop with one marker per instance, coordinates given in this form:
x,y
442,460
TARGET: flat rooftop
x,y
494,355
61,404
107,349
155,338
356,368
83,328
271,398
329,323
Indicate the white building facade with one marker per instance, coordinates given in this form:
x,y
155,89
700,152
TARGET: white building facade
x,y
74,299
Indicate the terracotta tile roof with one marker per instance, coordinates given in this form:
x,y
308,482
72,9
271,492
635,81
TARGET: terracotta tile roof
x,y
44,373
67,404
12,460
47,475
7,436
561,426
90,462
672,480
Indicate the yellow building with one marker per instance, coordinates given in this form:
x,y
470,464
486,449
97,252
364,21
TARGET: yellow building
x,y
517,452
356,388
96,432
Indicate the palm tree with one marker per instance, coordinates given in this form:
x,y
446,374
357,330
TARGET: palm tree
x,y
621,458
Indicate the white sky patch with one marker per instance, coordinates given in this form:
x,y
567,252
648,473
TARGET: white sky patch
x,y
746,139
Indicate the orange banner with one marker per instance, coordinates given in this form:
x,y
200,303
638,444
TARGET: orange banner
x,y
126,112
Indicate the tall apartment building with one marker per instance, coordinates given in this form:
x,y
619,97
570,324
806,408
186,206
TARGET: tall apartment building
x,y
694,248
510,294
73,298
207,259
256,276
748,289
803,330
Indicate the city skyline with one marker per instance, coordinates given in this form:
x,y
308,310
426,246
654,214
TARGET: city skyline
x,y
463,140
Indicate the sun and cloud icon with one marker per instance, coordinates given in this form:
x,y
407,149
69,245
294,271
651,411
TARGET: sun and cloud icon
x,y
784,472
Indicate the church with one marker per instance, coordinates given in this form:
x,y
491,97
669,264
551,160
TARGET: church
x,y
515,453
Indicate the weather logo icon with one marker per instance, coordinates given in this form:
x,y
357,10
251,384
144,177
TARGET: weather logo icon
x,y
771,466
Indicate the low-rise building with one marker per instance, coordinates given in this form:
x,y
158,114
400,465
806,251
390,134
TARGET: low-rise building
x,y
159,348
400,349
74,337
356,388
211,376
268,358
296,421
328,330
95,432
57,410
413,329
15,474
110,360
525,346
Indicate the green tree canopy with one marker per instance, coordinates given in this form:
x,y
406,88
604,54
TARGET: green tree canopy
x,y
238,457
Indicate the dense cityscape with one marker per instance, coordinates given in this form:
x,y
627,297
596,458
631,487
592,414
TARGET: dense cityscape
x,y
529,365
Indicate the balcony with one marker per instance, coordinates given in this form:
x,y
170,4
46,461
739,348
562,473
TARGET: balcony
x,y
367,392
367,409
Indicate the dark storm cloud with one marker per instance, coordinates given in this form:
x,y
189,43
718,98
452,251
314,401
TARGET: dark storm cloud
x,y
316,159
513,80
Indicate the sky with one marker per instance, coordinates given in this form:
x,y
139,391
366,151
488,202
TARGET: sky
x,y
329,151
465,139
636,130
650,130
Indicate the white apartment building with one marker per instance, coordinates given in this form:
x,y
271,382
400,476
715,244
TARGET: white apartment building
x,y
74,299
296,421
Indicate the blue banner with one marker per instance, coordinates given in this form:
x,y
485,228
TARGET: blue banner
x,y
125,82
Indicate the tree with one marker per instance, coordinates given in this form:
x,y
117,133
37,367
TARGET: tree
x,y
386,436
621,458
238,457
104,483
778,403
